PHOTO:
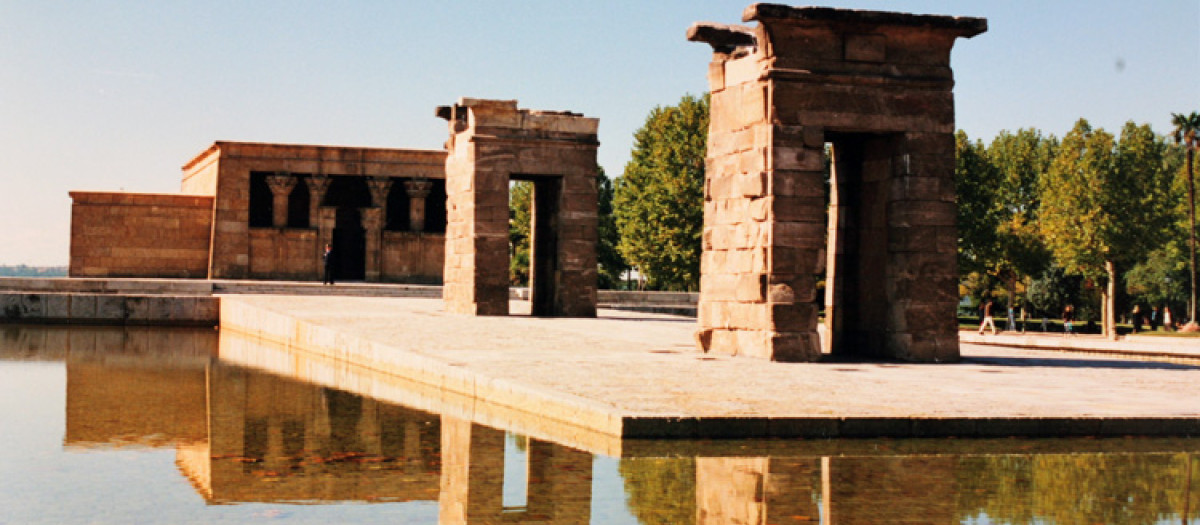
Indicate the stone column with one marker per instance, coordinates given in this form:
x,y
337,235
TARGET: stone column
x,y
379,186
418,190
372,222
317,186
281,184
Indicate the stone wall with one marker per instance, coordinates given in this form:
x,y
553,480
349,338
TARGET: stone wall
x,y
413,257
200,174
231,257
284,253
877,87
492,142
139,235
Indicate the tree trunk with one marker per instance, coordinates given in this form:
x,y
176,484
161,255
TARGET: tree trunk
x,y
1192,236
1110,301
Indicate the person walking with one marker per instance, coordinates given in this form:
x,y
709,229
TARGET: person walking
x,y
1068,317
1168,322
327,259
987,318
1136,318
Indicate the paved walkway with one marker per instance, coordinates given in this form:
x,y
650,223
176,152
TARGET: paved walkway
x,y
1185,349
638,375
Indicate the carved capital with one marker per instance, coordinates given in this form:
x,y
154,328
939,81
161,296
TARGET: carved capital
x,y
379,186
281,183
418,188
317,186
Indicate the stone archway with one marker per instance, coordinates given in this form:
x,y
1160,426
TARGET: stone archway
x,y
877,87
493,142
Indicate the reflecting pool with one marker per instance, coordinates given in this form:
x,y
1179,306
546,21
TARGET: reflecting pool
x,y
139,425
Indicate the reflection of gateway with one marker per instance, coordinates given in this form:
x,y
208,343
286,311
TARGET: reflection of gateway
x,y
247,436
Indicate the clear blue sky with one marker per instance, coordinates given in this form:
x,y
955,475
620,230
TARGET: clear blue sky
x,y
111,95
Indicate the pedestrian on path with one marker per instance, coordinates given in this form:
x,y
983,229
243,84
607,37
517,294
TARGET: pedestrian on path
x,y
1011,326
987,318
1136,319
1168,323
1154,319
1068,317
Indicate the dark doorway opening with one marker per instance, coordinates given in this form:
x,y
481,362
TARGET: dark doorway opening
x,y
856,302
543,244
348,194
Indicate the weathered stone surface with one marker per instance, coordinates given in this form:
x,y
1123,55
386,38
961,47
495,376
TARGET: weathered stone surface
x,y
207,232
493,142
886,240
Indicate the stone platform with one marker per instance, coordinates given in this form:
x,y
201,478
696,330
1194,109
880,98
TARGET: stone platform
x,y
594,382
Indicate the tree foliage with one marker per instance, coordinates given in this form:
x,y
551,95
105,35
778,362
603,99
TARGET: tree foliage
x,y
1105,203
612,264
520,215
659,199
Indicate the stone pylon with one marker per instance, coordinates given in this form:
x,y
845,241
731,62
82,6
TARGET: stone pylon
x,y
874,89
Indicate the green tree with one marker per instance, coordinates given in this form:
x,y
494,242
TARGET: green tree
x,y
520,217
658,201
1103,203
612,265
975,184
1019,160
1187,134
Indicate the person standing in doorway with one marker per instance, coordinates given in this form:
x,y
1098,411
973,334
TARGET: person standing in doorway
x,y
327,258
987,318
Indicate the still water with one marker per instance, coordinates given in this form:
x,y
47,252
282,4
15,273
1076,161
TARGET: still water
x,y
116,425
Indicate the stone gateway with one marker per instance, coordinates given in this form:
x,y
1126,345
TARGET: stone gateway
x,y
875,88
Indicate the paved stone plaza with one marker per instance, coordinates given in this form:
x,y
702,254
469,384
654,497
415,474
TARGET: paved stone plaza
x,y
635,375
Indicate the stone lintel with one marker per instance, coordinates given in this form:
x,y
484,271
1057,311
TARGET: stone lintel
x,y
963,26
484,113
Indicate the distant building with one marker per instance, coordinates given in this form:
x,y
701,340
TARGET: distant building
x,y
266,211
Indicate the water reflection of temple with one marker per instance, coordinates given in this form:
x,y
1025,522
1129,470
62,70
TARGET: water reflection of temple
x,y
241,435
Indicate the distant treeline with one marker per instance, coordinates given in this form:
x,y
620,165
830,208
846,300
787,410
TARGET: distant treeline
x,y
22,270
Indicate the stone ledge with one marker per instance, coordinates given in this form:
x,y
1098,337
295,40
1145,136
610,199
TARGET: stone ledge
x,y
94,308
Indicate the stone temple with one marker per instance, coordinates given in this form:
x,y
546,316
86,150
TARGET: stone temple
x,y
876,89
266,211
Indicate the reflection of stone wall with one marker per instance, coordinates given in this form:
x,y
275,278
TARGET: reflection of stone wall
x,y
893,489
139,235
756,490
276,439
134,406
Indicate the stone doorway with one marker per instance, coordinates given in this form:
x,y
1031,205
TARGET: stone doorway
x,y
349,196
543,243
856,247
349,245
878,87
492,142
